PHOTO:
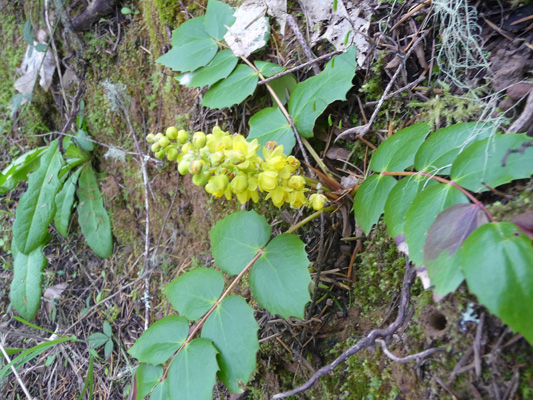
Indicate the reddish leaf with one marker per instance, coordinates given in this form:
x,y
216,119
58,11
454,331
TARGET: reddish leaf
x,y
445,237
451,228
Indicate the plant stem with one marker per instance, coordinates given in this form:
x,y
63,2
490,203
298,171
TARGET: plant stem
x,y
224,295
446,181
301,141
310,218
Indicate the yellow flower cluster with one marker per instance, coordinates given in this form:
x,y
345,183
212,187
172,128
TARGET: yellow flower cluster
x,y
229,165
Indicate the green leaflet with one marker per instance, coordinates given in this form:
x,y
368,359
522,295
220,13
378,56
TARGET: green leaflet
x,y
233,90
442,147
92,216
271,125
82,142
195,292
496,260
268,69
161,340
370,199
400,198
218,17
64,201
398,152
146,378
192,373
233,330
236,239
279,279
483,162
160,391
311,97
219,68
192,47
25,293
282,86
422,213
19,169
36,208
445,236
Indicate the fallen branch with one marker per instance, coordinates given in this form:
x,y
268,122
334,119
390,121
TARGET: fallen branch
x,y
367,341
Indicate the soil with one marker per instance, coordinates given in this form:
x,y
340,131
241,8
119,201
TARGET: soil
x,y
361,280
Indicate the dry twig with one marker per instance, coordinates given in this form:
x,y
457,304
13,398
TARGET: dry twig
x,y
363,129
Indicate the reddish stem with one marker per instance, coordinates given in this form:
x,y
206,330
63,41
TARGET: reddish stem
x,y
217,303
448,182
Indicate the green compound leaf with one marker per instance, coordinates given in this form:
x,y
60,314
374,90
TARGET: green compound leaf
x,y
19,169
92,216
97,340
369,202
195,292
236,239
399,201
483,162
422,213
192,373
233,330
268,69
146,378
161,340
271,125
192,47
160,391
218,17
441,149
37,206
26,289
219,68
445,236
311,97
282,86
279,279
496,260
232,90
398,152
64,202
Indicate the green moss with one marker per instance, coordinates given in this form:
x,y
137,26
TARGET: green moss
x,y
379,270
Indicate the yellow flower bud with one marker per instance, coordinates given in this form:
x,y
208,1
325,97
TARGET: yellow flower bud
x,y
183,166
196,167
200,179
198,140
293,162
217,158
164,141
221,182
239,184
268,180
155,147
186,147
172,133
160,154
172,153
158,136
297,182
317,201
183,136
150,138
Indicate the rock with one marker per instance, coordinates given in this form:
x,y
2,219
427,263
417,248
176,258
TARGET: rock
x,y
518,91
